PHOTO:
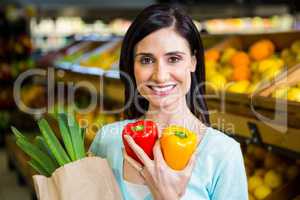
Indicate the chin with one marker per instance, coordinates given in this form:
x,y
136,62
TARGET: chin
x,y
164,102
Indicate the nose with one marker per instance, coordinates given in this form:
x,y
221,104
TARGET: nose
x,y
161,73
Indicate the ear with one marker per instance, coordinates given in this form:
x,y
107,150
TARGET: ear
x,y
193,63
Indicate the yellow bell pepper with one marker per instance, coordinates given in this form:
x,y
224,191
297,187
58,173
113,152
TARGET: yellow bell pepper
x,y
177,145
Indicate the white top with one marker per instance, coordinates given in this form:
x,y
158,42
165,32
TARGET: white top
x,y
137,191
224,176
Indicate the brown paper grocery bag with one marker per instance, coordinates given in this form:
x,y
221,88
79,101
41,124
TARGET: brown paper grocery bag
x,y
90,178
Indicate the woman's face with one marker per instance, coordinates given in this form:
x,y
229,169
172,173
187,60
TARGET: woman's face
x,y
162,67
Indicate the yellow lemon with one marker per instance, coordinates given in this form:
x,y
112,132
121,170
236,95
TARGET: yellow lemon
x,y
294,94
210,69
210,64
271,73
266,64
281,92
217,81
295,47
227,71
253,87
273,179
227,54
254,66
239,86
262,192
254,182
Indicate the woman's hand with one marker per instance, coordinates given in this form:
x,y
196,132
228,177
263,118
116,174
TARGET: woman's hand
x,y
163,182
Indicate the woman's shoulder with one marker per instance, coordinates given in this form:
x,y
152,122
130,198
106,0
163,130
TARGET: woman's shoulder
x,y
218,143
115,127
217,151
108,137
112,130
221,158
218,137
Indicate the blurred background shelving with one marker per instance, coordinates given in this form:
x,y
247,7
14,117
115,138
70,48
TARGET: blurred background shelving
x,y
80,42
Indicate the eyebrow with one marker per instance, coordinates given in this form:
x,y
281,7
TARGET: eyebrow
x,y
143,54
167,54
175,52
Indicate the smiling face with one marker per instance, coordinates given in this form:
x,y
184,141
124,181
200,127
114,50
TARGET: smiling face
x,y
162,67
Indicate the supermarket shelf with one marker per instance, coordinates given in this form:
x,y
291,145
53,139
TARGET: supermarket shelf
x,y
257,131
96,37
258,118
96,71
109,89
243,105
93,70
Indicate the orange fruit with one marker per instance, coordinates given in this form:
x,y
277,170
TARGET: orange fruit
x,y
240,59
212,54
261,49
241,73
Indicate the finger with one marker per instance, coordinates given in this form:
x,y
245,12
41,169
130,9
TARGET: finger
x,y
158,157
191,164
136,165
158,161
138,151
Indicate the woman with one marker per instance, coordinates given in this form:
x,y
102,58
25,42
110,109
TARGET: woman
x,y
162,55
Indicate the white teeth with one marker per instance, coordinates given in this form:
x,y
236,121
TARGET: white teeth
x,y
162,89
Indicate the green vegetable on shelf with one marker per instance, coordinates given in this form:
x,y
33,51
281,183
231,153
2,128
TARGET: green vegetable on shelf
x,y
47,153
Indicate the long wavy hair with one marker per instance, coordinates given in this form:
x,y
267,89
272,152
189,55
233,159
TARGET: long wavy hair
x,y
151,19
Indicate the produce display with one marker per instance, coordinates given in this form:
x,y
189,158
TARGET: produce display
x,y
15,42
33,96
103,59
52,34
10,71
291,56
267,171
46,153
6,97
4,120
241,71
249,25
72,57
86,54
66,26
291,93
73,53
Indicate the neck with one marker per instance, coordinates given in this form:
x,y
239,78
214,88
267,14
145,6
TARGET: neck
x,y
179,114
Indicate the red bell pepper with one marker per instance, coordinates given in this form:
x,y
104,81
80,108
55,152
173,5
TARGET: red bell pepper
x,y
144,133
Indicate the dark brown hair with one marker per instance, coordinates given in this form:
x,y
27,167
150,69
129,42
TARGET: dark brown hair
x,y
151,19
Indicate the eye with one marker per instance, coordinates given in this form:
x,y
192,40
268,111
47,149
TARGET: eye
x,y
146,60
174,59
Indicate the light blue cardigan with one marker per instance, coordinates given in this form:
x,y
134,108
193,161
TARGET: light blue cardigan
x,y
219,172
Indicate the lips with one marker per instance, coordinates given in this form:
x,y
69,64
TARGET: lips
x,y
162,90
